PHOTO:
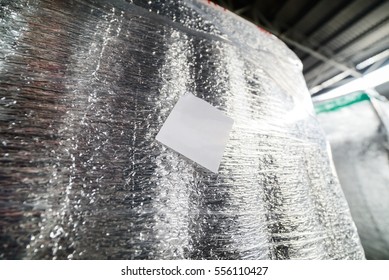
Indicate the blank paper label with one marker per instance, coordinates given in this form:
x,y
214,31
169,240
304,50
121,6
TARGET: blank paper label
x,y
197,130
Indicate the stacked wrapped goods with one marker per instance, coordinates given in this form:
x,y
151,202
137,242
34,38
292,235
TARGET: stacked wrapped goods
x,y
86,86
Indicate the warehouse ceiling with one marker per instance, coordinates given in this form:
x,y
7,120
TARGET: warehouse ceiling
x,y
337,41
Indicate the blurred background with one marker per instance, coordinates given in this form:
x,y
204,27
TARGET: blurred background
x,y
337,41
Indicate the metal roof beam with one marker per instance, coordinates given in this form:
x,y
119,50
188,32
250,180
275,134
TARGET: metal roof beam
x,y
373,39
316,17
318,55
341,66
340,21
377,19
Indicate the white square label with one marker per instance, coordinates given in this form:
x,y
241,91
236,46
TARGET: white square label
x,y
197,130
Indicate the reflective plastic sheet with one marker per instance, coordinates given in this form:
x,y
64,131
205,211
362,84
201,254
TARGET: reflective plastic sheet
x,y
86,86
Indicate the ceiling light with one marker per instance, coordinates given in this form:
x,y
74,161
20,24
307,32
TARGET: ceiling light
x,y
373,59
364,83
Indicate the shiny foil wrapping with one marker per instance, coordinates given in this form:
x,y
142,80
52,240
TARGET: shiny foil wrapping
x,y
85,87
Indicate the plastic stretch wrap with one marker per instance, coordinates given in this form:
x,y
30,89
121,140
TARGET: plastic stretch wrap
x,y
360,152
86,86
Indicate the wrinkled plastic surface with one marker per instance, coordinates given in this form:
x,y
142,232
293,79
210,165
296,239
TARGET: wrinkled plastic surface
x,y
86,86
360,153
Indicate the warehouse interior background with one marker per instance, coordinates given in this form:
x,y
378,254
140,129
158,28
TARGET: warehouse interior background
x,y
337,41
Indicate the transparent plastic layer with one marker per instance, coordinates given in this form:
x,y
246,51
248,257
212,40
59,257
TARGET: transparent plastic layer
x,y
86,86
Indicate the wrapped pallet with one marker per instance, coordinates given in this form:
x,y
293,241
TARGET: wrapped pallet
x,y
85,88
